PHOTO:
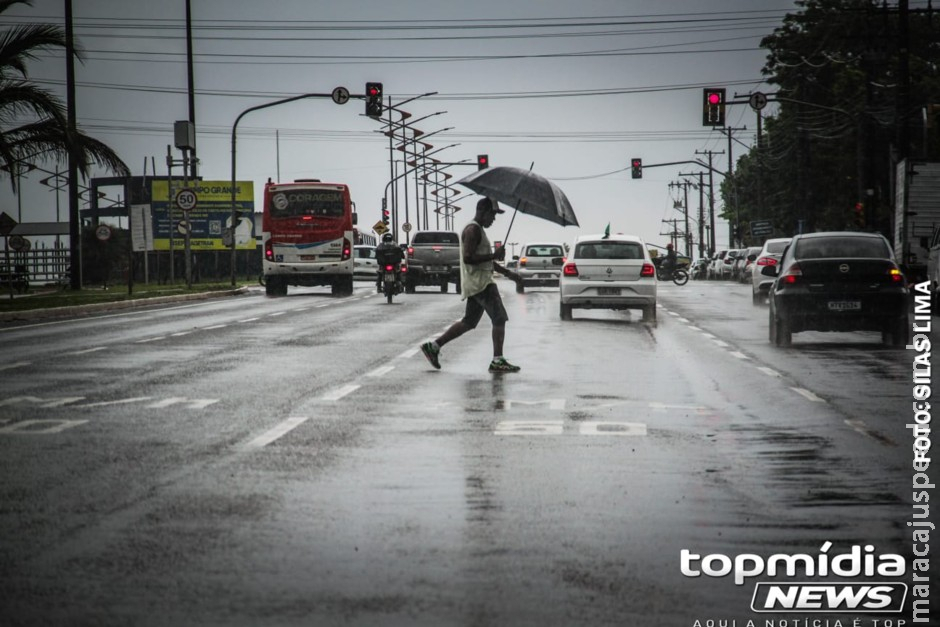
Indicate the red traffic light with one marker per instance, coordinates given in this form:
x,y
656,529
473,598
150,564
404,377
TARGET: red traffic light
x,y
483,161
714,98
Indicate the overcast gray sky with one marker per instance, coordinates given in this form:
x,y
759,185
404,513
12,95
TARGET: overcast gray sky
x,y
576,87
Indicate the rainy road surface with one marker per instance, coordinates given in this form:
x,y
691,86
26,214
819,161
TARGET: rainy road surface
x,y
296,461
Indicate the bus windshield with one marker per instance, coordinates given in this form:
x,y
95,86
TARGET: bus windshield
x,y
296,203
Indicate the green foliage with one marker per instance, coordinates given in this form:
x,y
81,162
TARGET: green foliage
x,y
834,138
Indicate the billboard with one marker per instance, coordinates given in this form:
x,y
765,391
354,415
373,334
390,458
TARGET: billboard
x,y
208,219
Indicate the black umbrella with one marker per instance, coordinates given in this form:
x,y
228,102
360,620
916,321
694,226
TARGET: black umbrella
x,y
525,190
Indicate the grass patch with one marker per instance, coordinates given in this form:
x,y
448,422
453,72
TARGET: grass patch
x,y
46,298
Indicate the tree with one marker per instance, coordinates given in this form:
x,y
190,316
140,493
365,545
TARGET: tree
x,y
33,122
832,144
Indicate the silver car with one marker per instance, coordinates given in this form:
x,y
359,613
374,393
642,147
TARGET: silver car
x,y
540,264
614,272
364,264
769,255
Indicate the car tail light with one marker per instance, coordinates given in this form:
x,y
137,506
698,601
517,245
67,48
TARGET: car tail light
x,y
648,269
766,261
269,251
389,267
522,261
347,250
403,269
570,269
793,275
896,276
411,252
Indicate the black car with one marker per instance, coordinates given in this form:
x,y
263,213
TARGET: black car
x,y
838,281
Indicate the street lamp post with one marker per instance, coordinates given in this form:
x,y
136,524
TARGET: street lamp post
x,y
234,217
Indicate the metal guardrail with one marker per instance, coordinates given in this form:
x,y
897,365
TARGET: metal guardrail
x,y
43,265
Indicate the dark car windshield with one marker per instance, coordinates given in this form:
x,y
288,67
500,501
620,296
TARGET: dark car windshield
x,y
544,251
841,247
775,248
435,237
609,250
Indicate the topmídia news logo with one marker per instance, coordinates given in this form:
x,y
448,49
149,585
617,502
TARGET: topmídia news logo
x,y
876,594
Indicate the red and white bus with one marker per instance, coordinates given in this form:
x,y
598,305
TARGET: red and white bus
x,y
307,236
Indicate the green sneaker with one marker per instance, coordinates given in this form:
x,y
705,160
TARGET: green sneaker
x,y
431,354
501,365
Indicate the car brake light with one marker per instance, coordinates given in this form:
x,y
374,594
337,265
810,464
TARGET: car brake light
x,y
648,270
896,275
411,252
766,261
389,267
268,251
570,269
793,275
522,261
347,249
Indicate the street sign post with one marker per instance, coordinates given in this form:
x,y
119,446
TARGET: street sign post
x,y
760,228
186,199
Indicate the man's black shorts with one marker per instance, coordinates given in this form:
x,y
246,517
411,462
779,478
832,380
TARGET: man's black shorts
x,y
489,301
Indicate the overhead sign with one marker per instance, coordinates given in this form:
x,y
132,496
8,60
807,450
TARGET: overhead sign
x,y
760,228
7,224
340,95
186,199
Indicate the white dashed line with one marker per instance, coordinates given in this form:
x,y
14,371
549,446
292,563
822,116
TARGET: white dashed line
x,y
273,434
770,372
739,355
720,343
378,372
152,339
18,364
694,328
277,313
247,320
808,395
411,352
88,350
213,328
180,334
335,395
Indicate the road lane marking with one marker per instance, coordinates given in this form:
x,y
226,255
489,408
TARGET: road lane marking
x,y
335,395
694,328
180,334
720,343
808,395
529,427
277,313
88,350
247,320
378,372
51,426
217,326
708,335
770,372
860,427
41,402
739,355
120,402
194,403
683,320
275,433
152,339
18,364
612,428
411,352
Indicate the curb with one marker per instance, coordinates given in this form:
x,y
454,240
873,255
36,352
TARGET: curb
x,y
79,310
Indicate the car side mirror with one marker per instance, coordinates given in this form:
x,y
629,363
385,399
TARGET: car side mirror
x,y
769,270
355,219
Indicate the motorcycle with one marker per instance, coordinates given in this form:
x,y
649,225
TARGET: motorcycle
x,y
679,275
391,280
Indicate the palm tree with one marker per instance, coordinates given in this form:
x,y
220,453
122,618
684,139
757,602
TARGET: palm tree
x,y
33,123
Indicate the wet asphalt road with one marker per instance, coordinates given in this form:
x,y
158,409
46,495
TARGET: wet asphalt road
x,y
296,461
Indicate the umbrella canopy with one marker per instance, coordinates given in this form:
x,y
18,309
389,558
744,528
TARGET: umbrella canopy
x,y
525,190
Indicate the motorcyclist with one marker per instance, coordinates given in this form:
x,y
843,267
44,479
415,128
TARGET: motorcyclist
x,y
669,263
388,252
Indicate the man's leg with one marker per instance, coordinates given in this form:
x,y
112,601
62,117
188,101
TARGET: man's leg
x,y
499,334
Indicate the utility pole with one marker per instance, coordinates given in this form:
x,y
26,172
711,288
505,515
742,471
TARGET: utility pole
x,y
711,195
685,210
734,229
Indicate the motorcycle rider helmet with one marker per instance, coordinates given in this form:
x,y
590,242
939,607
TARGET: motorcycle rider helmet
x,y
388,238
668,246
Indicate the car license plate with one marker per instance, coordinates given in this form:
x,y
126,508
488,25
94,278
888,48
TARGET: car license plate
x,y
845,305
308,257
436,269
608,291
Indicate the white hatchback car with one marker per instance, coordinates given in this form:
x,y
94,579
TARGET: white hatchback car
x,y
613,272
364,264
540,264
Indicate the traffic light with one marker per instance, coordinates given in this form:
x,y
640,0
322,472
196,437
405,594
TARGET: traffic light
x,y
636,166
713,107
385,216
483,162
860,215
374,100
